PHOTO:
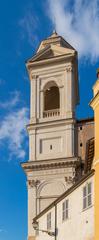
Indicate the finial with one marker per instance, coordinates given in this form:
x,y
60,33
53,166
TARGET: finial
x,y
54,31
98,73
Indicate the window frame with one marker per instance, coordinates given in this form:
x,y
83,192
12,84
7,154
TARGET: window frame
x,y
87,195
49,221
65,210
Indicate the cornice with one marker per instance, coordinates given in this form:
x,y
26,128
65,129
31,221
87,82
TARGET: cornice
x,y
50,60
47,123
50,164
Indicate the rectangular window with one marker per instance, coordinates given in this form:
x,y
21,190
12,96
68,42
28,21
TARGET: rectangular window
x,y
65,210
87,195
49,221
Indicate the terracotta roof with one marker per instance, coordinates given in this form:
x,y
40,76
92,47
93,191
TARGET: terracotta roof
x,y
89,154
84,120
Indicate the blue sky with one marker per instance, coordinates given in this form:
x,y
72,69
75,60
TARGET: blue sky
x,y
23,24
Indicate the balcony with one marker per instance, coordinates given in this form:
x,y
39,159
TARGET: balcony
x,y
51,113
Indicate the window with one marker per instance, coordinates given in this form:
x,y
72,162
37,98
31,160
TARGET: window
x,y
87,195
49,221
50,147
65,210
51,98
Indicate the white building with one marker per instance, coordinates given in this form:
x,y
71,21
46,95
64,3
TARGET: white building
x,y
71,216
57,140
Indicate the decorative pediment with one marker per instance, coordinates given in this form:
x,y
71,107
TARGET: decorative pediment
x,y
56,40
51,51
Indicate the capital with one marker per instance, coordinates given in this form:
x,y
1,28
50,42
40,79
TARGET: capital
x,y
69,180
33,183
69,68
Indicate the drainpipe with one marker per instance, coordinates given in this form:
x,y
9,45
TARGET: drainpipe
x,y
56,222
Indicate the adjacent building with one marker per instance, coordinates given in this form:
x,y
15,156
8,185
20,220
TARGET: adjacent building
x,y
71,216
95,105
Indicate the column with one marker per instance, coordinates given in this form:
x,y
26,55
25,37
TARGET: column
x,y
61,91
41,103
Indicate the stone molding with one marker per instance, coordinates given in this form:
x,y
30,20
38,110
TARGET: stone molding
x,y
69,180
52,60
33,183
54,165
54,122
69,68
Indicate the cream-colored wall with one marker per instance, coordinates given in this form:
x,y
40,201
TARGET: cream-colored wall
x,y
43,226
56,131
60,136
44,186
63,75
79,225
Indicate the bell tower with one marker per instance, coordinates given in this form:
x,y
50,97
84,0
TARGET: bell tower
x,y
51,168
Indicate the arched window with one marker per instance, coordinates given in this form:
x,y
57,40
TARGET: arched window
x,y
51,100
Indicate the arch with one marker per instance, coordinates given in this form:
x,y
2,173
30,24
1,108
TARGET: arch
x,y
56,187
51,96
48,191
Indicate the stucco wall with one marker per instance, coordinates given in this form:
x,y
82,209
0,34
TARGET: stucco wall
x,y
79,225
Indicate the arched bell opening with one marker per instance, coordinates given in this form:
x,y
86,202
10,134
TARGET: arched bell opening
x,y
51,100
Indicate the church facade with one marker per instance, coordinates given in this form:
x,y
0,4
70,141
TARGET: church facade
x,y
60,146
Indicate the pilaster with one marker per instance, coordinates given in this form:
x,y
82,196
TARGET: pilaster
x,y
69,92
32,145
32,204
33,98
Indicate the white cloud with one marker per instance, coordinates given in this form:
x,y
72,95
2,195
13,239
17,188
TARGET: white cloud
x,y
78,22
29,25
12,129
15,96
